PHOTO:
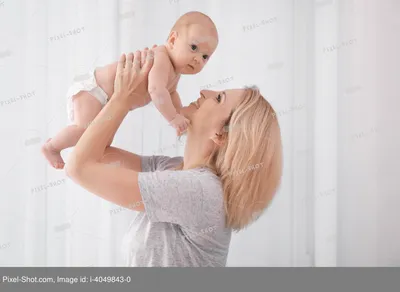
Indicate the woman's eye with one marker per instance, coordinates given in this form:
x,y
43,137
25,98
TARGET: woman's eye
x,y
194,47
219,97
205,57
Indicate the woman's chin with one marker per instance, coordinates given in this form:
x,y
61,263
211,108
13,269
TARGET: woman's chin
x,y
188,111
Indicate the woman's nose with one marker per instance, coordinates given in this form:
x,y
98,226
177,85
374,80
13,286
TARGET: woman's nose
x,y
205,93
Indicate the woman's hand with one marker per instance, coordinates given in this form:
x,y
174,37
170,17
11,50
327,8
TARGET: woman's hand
x,y
131,80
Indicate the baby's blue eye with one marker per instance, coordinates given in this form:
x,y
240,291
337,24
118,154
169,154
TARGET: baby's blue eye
x,y
194,47
205,57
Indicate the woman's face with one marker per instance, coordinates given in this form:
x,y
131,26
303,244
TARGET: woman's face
x,y
211,110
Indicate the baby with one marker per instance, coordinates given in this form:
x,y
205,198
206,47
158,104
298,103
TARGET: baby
x,y
191,42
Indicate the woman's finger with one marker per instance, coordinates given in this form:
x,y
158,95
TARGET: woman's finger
x,y
121,64
129,60
148,63
136,61
143,56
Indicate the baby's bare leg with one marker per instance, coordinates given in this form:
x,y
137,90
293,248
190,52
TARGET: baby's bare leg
x,y
66,138
86,108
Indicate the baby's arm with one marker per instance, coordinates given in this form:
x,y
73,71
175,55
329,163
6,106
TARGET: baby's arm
x,y
158,83
180,123
176,100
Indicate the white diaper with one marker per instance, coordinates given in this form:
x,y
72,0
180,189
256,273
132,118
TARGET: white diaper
x,y
86,82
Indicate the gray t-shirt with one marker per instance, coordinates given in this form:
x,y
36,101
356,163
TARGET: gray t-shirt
x,y
184,221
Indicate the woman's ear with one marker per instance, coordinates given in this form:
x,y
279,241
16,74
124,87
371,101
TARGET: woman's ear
x,y
218,139
172,38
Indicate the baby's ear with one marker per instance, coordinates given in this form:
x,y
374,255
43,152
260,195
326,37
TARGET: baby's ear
x,y
172,38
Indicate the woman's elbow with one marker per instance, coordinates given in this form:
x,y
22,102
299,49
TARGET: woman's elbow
x,y
72,170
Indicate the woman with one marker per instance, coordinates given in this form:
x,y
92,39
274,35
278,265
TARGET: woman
x,y
230,171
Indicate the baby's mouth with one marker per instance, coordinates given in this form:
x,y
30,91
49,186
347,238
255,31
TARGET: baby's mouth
x,y
191,67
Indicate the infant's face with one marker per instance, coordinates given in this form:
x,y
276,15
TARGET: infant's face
x,y
193,50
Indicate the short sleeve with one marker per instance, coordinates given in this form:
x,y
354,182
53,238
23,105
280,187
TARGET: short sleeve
x,y
172,196
159,162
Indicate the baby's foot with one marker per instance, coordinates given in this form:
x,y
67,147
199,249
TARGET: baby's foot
x,y
52,155
180,123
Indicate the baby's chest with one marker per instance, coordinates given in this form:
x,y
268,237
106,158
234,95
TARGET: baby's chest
x,y
170,87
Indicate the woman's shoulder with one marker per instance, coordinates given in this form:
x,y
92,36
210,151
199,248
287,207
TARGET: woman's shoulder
x,y
208,182
201,176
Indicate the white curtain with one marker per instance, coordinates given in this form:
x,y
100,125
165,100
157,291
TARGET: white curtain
x,y
329,68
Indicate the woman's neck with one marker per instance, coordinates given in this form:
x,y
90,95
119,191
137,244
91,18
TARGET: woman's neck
x,y
195,152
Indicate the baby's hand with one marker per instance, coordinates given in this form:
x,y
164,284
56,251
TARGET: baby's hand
x,y
180,123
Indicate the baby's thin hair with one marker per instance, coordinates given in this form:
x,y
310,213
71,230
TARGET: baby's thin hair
x,y
190,18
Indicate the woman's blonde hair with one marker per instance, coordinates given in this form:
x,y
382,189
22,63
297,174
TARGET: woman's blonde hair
x,y
250,161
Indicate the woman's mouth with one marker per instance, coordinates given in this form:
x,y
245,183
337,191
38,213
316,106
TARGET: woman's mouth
x,y
196,104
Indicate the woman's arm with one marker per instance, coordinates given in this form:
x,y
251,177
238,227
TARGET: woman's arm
x,y
105,75
122,158
85,166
